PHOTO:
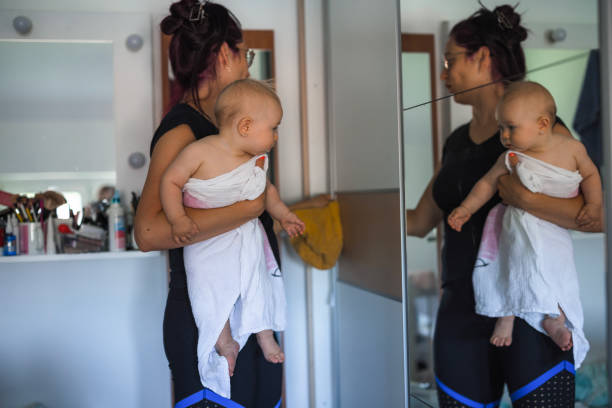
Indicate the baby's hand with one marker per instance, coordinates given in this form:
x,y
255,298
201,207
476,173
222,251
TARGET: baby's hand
x,y
184,230
292,224
458,217
589,214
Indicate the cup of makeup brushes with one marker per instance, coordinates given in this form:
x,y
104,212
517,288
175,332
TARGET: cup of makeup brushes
x,y
31,239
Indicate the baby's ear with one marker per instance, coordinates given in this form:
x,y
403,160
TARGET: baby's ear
x,y
244,125
544,122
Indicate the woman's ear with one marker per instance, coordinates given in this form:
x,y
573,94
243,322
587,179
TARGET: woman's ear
x,y
244,125
223,57
483,57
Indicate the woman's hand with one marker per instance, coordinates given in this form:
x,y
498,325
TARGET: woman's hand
x,y
510,188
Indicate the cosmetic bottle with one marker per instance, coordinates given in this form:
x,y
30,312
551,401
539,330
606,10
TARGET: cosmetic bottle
x,y
10,241
116,225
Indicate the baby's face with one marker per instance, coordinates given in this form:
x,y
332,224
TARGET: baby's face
x,y
518,124
263,135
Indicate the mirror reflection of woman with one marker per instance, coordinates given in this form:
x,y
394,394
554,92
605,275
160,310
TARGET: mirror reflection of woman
x,y
207,53
469,370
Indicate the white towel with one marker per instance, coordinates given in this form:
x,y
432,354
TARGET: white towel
x,y
525,265
233,275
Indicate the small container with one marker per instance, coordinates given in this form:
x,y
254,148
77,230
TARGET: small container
x,y
116,225
10,241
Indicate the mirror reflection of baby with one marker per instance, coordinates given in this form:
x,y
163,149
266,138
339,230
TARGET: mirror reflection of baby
x,y
228,167
535,274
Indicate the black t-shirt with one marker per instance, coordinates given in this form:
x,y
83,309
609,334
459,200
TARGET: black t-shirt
x,y
184,114
463,164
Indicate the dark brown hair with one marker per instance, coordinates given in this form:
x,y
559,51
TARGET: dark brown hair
x,y
198,30
499,30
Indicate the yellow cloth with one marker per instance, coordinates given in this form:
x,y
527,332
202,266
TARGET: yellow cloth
x,y
321,243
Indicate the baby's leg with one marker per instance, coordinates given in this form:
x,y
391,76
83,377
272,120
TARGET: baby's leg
x,y
556,329
502,334
271,350
227,347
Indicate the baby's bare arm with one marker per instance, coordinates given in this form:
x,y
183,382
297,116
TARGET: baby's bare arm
x,y
176,175
274,204
486,186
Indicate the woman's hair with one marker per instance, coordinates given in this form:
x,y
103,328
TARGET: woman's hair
x,y
198,30
499,30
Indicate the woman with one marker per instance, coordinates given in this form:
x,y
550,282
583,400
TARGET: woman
x,y
484,48
207,53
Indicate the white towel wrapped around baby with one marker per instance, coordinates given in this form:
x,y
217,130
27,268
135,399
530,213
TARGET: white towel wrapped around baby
x,y
233,275
525,265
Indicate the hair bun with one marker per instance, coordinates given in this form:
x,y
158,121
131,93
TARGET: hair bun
x,y
509,21
171,24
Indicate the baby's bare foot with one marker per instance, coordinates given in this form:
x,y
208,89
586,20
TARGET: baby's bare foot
x,y
228,349
271,350
502,334
558,332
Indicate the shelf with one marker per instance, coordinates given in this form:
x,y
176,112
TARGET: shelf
x,y
79,257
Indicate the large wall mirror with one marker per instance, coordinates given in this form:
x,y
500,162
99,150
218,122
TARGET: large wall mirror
x,y
75,103
561,53
56,121
262,68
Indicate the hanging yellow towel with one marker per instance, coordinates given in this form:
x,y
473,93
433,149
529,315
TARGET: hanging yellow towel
x,y
321,243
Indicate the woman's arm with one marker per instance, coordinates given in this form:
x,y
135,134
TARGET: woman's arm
x,y
152,229
560,211
426,216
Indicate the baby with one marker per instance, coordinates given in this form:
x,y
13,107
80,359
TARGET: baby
x,y
233,281
525,265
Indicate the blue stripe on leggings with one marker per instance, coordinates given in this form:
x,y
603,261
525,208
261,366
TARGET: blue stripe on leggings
x,y
465,400
209,395
521,392
278,404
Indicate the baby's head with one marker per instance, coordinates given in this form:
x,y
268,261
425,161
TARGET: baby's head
x,y
251,109
525,111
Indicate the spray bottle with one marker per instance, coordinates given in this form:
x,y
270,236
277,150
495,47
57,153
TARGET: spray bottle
x,y
116,225
10,241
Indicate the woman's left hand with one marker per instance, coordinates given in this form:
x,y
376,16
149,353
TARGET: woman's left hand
x,y
510,188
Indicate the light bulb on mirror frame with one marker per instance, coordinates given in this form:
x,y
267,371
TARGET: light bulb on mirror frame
x,y
22,24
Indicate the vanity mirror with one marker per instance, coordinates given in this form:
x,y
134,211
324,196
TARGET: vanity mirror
x,y
75,102
56,118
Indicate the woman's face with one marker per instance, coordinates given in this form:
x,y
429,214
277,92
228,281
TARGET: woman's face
x,y
239,62
461,72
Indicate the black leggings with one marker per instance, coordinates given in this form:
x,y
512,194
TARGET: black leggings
x,y
470,372
256,383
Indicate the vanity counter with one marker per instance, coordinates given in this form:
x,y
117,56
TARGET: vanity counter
x,y
79,257
75,324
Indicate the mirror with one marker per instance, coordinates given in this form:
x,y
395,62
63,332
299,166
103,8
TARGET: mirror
x,y
56,118
262,68
559,62
363,50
